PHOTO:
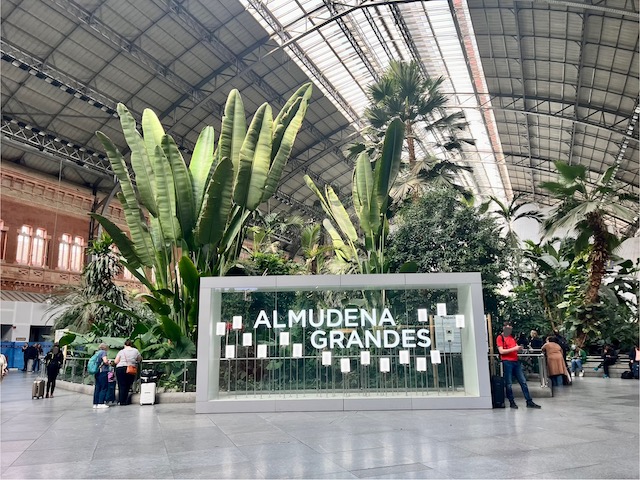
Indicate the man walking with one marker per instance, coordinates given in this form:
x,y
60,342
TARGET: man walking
x,y
509,348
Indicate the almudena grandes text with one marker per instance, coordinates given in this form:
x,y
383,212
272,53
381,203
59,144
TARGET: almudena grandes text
x,y
372,332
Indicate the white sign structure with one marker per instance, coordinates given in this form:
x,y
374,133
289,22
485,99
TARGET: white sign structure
x,y
358,332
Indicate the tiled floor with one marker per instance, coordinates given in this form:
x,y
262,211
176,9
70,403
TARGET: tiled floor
x,y
589,430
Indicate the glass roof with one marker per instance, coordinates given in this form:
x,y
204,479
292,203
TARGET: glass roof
x,y
345,47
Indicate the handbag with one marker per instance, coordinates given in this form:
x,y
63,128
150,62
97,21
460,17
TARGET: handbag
x,y
132,369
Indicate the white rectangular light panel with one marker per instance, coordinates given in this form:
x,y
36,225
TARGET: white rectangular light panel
x,y
297,350
326,358
435,356
284,339
230,351
365,357
404,357
422,315
345,365
421,364
247,340
385,365
262,351
459,321
237,322
442,309
221,328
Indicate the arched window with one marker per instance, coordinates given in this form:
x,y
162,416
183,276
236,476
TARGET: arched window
x,y
77,254
64,251
24,244
39,248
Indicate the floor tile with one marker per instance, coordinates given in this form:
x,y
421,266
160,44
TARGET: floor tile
x,y
395,470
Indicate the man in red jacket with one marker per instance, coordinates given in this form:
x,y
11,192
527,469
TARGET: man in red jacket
x,y
509,348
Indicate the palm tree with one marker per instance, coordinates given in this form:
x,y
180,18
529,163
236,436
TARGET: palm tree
x,y
586,209
404,92
430,172
508,214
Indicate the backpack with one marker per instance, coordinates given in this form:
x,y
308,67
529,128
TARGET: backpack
x,y
94,363
627,375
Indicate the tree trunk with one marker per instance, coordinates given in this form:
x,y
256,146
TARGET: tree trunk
x,y
410,142
598,257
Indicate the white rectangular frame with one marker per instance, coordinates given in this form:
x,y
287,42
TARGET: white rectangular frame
x,y
474,342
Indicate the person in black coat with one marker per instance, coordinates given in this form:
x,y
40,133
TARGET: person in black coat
x,y
53,361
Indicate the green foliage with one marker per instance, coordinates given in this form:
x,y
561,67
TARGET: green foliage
x,y
586,209
441,234
186,222
371,186
82,308
260,264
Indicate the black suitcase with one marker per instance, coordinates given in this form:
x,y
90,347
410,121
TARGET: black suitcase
x,y
497,391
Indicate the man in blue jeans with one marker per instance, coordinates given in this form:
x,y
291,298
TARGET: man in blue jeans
x,y
509,348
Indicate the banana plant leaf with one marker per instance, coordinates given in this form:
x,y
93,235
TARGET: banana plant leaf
x,y
185,204
234,129
216,206
200,166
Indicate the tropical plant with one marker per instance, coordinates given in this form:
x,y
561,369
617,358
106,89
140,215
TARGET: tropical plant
x,y
414,179
83,309
508,214
272,230
587,209
313,250
190,221
371,186
404,92
439,233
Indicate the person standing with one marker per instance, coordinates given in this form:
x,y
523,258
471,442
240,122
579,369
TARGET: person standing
x,y
508,349
555,361
39,355
24,356
31,354
634,360
535,342
126,369
53,362
100,390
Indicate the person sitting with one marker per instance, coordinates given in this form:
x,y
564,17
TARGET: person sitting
x,y
578,358
609,357
555,361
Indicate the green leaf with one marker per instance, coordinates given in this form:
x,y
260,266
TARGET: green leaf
x,y
139,329
185,204
409,267
200,166
388,166
255,156
119,167
66,339
286,127
570,173
323,202
171,329
138,231
234,129
145,177
156,305
340,215
152,130
127,250
216,206
189,275
166,196
364,194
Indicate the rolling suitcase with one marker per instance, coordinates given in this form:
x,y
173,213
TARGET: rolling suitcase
x,y
497,391
37,391
147,393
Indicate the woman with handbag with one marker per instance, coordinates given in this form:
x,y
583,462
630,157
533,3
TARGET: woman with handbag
x,y
126,370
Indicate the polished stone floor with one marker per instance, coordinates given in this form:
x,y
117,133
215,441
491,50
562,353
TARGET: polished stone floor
x,y
589,430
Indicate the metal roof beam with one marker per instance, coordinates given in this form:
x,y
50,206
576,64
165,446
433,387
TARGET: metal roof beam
x,y
124,44
31,138
587,6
